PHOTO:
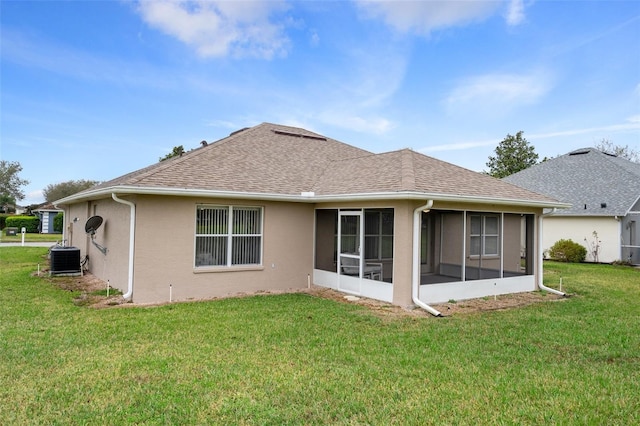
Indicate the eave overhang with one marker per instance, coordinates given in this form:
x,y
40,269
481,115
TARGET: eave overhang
x,y
305,197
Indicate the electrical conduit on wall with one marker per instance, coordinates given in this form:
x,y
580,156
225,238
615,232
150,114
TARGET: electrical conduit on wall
x,y
132,229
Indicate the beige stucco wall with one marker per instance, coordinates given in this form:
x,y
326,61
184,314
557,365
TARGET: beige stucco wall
x,y
512,247
403,253
578,229
112,234
165,244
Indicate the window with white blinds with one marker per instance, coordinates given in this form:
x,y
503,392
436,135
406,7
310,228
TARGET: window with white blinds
x,y
228,236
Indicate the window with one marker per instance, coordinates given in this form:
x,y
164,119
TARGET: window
x,y
485,235
378,234
228,236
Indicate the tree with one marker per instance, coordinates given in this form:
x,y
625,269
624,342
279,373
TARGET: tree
x,y
605,145
512,155
57,191
177,152
10,183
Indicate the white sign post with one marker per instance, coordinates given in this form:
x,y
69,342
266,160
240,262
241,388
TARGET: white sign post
x,y
24,231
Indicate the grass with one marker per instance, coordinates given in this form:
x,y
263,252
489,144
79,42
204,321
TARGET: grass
x,y
29,238
297,359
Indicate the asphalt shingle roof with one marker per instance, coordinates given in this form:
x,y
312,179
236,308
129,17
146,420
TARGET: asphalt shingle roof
x,y
586,178
275,159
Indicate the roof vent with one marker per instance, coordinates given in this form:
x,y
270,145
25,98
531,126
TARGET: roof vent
x,y
603,205
299,135
238,131
580,151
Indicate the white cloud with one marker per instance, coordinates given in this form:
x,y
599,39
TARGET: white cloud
x,y
314,39
359,123
222,124
632,125
515,12
500,91
33,197
33,52
422,17
457,146
220,28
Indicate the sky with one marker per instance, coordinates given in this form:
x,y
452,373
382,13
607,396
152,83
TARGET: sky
x,y
97,89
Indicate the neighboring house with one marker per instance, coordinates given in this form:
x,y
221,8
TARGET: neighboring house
x,y
274,208
604,191
46,213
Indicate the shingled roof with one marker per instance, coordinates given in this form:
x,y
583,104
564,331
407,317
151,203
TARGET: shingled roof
x,y
271,161
595,183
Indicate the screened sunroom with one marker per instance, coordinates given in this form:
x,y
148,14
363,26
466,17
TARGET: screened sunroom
x,y
467,254
354,251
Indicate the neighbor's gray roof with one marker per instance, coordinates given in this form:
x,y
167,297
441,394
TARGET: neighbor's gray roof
x,y
287,161
586,178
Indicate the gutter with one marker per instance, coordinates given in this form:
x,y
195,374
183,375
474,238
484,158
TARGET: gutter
x,y
305,197
415,284
541,286
132,239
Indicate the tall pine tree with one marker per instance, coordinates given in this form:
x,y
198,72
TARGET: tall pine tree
x,y
513,154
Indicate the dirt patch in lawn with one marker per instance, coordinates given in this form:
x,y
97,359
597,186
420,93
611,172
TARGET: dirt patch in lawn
x,y
463,307
92,293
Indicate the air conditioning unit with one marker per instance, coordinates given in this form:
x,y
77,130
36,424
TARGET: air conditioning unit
x,y
65,260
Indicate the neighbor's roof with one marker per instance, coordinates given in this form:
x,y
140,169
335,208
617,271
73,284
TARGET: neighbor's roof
x,y
47,207
271,161
595,183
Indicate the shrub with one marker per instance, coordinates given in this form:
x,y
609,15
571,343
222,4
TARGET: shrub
x,y
568,251
28,222
58,222
3,218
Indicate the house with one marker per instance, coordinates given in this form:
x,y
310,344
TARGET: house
x,y
46,212
274,207
604,191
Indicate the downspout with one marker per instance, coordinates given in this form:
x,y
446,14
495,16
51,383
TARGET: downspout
x,y
132,230
540,258
415,287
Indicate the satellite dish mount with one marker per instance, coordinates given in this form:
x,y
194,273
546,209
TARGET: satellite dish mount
x,y
92,225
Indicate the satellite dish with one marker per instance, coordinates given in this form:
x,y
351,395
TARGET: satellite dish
x,y
92,225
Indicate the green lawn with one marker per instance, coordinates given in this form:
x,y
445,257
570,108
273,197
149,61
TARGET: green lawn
x,y
30,238
298,359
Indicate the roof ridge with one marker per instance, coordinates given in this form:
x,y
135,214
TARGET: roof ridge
x,y
407,172
625,164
